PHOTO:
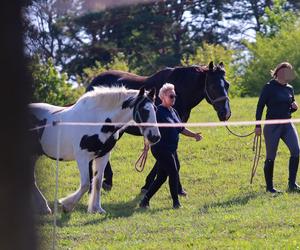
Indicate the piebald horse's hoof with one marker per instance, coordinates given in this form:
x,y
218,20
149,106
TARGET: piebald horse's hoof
x,y
43,210
65,208
97,210
46,211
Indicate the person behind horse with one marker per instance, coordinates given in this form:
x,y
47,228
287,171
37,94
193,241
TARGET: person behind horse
x,y
278,96
165,150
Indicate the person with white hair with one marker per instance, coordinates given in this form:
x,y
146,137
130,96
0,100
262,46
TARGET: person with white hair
x,y
165,151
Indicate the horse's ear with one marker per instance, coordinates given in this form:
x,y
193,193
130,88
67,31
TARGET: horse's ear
x,y
142,91
152,93
221,64
211,66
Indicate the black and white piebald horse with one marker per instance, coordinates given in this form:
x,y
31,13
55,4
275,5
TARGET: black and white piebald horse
x,y
85,143
192,85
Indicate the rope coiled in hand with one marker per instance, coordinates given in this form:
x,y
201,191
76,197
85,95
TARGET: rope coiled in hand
x,y
141,161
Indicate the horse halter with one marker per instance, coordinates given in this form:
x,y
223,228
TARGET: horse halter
x,y
136,113
218,99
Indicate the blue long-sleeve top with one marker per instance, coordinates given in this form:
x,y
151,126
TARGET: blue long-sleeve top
x,y
278,99
169,135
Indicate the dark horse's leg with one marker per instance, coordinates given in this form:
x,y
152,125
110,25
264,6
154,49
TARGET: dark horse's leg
x,y
108,175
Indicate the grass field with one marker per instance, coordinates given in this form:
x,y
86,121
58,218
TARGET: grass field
x,y
222,210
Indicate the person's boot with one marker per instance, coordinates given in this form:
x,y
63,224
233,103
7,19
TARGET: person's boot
x,y
293,169
176,204
181,191
268,171
144,202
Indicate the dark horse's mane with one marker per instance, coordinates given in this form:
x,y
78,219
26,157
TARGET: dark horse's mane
x,y
153,80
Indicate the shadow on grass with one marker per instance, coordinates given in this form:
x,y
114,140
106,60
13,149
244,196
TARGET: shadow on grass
x,y
62,218
122,210
113,210
236,201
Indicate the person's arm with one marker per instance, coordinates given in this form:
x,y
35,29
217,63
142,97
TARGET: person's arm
x,y
192,134
260,108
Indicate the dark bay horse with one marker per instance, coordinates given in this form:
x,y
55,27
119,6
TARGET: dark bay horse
x,y
192,85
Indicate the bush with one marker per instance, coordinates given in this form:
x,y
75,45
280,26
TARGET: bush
x,y
50,86
266,53
118,63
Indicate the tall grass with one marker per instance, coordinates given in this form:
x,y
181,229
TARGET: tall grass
x,y
222,210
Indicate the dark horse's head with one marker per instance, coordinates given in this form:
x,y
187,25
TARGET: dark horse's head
x,y
216,90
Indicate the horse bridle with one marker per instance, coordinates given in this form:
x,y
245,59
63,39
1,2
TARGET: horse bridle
x,y
140,163
136,113
218,99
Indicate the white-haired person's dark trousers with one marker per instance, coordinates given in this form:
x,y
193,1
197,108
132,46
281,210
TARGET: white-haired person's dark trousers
x,y
166,167
288,134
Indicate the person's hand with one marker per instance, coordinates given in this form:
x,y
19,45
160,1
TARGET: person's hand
x,y
294,106
198,136
258,131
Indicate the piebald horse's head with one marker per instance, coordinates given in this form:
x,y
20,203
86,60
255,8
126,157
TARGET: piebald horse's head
x,y
144,112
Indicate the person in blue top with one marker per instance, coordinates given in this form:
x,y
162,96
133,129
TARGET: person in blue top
x,y
165,150
278,96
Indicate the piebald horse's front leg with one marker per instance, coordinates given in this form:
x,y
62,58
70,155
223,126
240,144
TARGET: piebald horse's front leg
x,y
95,196
69,202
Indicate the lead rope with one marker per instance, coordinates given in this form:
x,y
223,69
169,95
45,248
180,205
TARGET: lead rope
x,y
256,149
141,161
241,136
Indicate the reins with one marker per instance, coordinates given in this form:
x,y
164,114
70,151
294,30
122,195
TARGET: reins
x,y
256,140
256,149
241,136
141,161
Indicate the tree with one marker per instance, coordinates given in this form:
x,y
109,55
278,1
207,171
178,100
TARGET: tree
x,y
267,52
276,17
42,32
150,35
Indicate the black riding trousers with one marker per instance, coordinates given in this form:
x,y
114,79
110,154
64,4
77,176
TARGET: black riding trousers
x,y
166,167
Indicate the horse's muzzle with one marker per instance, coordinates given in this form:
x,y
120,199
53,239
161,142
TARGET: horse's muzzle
x,y
153,138
228,116
224,116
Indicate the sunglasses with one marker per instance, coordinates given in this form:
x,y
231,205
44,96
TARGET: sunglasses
x,y
172,96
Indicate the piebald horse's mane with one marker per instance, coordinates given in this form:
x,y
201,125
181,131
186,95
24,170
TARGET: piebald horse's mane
x,y
104,97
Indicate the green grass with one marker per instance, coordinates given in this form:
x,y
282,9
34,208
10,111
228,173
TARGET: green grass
x,y
222,210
